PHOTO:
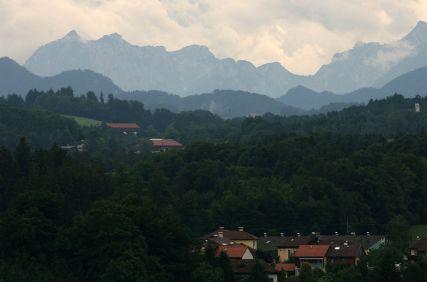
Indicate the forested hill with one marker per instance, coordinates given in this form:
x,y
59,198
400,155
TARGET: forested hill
x,y
389,116
42,128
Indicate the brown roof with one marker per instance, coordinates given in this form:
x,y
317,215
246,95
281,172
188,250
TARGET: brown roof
x,y
366,241
345,251
123,125
165,143
295,241
311,251
287,267
233,251
420,245
231,235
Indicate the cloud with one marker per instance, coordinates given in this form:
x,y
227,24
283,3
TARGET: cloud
x,y
301,34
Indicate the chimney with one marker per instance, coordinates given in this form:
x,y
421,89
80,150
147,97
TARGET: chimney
x,y
265,234
220,234
282,235
299,234
241,228
368,234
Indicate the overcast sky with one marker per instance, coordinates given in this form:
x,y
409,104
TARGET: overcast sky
x,y
301,34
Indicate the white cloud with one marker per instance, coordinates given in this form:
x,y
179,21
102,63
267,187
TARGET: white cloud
x,y
301,34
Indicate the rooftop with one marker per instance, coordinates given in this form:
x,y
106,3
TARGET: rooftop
x,y
312,251
123,125
231,234
345,251
233,251
165,143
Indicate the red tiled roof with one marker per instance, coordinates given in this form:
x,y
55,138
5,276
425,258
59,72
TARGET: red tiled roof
x,y
165,143
232,234
311,251
123,125
235,251
287,267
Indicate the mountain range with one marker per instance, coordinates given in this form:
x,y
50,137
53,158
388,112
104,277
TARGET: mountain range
x,y
18,80
410,84
194,69
226,103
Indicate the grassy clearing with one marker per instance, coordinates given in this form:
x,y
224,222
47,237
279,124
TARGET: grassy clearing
x,y
84,121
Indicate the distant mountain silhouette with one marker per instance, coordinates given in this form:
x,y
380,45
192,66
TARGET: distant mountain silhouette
x,y
190,70
194,69
225,103
409,85
16,79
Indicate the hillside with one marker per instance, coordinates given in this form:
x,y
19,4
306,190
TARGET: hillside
x,y
42,129
18,80
225,103
387,117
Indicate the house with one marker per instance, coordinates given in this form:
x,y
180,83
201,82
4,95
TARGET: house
x,y
162,145
125,128
239,236
418,249
344,254
314,255
287,268
235,251
288,245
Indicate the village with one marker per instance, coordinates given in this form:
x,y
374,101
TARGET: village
x,y
285,255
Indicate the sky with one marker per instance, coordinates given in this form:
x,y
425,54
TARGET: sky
x,y
301,34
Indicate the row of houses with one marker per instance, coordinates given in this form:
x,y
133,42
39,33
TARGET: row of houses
x,y
289,253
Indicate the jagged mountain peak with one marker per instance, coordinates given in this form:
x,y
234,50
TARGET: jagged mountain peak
x,y
113,37
72,33
418,34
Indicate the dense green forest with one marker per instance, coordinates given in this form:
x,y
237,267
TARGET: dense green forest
x,y
65,217
107,214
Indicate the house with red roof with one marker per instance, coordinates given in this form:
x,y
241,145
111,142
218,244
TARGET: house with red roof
x,y
162,145
235,251
313,255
